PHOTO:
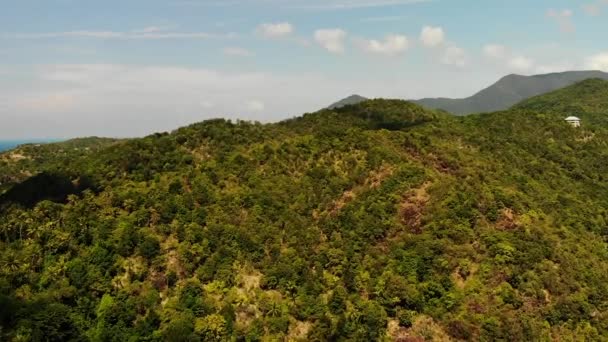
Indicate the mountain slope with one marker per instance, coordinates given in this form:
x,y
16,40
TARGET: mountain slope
x,y
351,100
26,160
510,90
590,96
381,220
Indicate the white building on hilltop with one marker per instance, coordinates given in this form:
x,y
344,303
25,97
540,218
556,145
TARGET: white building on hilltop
x,y
574,121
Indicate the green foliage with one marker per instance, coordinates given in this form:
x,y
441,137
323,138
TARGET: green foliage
x,y
349,225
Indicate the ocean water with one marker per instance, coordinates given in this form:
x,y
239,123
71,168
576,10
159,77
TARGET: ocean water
x,y
6,145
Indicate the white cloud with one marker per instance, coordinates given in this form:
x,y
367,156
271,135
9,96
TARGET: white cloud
x,y
517,62
50,102
85,74
237,52
180,35
67,34
563,19
322,5
137,34
276,30
521,63
495,51
331,39
390,46
598,62
349,4
207,104
383,19
255,106
595,8
111,99
554,67
454,55
432,36
152,29
592,9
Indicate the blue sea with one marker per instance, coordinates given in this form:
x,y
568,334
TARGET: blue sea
x,y
6,145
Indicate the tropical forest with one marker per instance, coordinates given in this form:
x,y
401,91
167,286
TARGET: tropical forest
x,y
376,221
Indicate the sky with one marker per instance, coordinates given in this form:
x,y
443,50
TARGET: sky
x,y
126,68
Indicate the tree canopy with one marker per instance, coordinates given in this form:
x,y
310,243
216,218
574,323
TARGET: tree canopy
x,y
371,222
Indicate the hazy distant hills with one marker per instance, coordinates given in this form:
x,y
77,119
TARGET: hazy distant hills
x,y
503,94
509,91
351,100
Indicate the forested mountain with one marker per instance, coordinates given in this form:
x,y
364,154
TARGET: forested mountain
x,y
510,90
503,94
351,100
26,160
376,221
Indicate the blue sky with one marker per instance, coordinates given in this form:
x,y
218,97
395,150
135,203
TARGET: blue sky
x,y
132,67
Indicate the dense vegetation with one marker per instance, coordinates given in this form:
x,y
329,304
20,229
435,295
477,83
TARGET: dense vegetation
x,y
29,159
375,221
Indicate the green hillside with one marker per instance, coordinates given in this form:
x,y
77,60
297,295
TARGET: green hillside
x,y
371,222
27,160
590,96
509,91
350,100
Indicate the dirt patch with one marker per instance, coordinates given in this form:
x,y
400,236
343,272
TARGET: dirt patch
x,y
412,207
169,243
547,296
298,331
459,280
245,316
373,181
442,165
587,137
250,282
461,275
376,177
507,220
199,154
431,160
346,197
132,267
16,156
158,280
175,265
396,332
425,329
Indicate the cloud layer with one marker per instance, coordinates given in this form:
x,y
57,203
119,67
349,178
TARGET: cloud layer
x,y
238,52
331,40
454,55
392,45
149,33
563,19
69,100
276,30
432,36
598,62
252,74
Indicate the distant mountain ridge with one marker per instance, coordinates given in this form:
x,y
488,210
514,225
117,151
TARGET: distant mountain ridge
x,y
351,100
509,91
502,95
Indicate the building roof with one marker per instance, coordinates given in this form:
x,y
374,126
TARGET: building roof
x,y
572,118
